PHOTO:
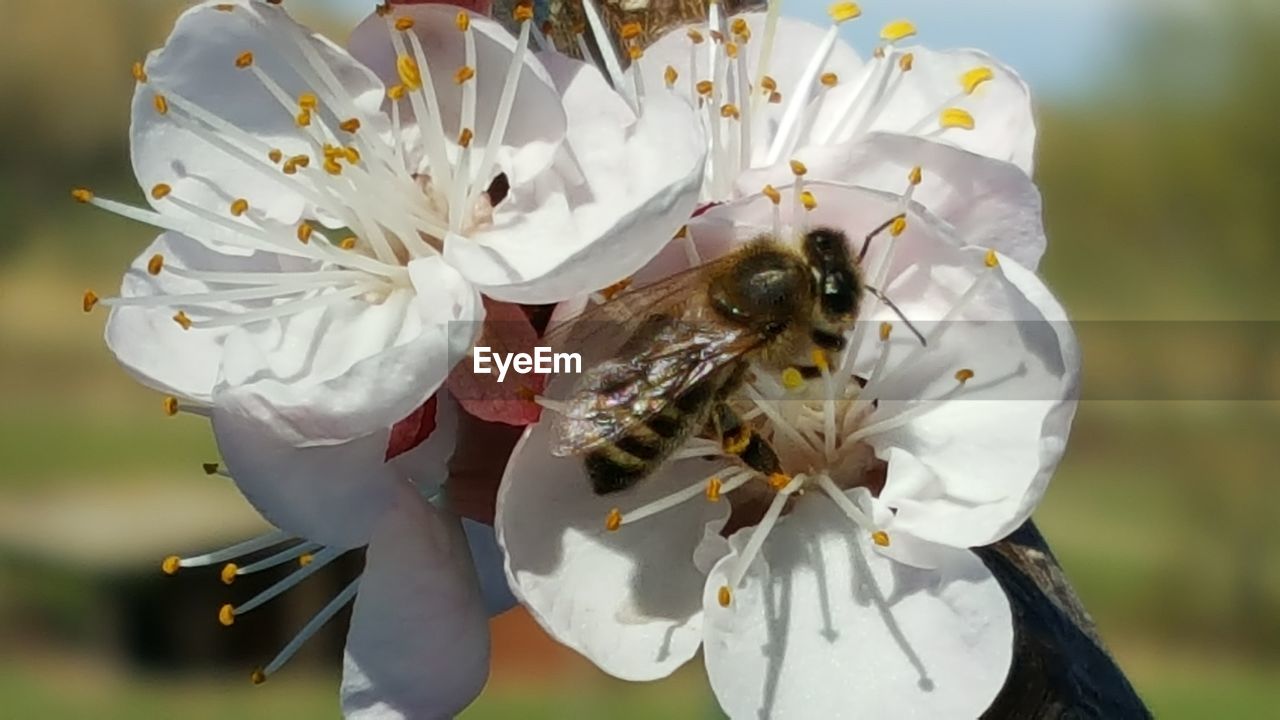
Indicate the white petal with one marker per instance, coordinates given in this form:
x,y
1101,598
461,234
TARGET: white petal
x,y
198,63
332,494
629,600
1005,127
418,646
559,238
803,636
991,203
538,126
354,367
146,340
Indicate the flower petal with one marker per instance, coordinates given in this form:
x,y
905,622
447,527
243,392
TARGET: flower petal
x,y
332,494
486,555
628,600
912,103
805,635
418,646
562,236
333,373
991,203
198,65
506,331
531,138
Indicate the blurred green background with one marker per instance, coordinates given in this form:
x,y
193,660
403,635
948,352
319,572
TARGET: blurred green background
x,y
1162,185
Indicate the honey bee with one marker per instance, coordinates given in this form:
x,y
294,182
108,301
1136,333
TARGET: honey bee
x,y
684,345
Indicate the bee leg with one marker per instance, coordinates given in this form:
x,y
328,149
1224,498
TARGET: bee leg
x,y
738,439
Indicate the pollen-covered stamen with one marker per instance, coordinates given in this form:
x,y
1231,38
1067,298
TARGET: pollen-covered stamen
x,y
416,76
604,41
322,558
313,626
917,409
279,558
466,77
759,535
506,102
173,563
729,479
172,406
775,197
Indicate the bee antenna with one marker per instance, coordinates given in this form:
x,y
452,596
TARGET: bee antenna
x,y
897,311
866,243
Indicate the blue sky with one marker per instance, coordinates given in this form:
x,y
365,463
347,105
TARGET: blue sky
x,y
1061,47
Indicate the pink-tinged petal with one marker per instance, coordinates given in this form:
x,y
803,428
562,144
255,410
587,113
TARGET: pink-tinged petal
x,y
627,600
823,626
506,331
604,211
198,65
427,463
410,432
418,646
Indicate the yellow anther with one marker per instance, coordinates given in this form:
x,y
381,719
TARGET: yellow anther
x,y
964,375
775,98
305,559
161,104
974,79
301,160
275,155
155,264
737,443
303,118
899,226
170,405
183,321
613,520
410,75
885,331
808,200
332,167
351,125
160,191
210,468
89,301
880,538
171,565
465,137
462,20
239,207
768,84
227,615
957,118
257,677
772,193
916,176
729,110
906,62
228,574
224,7
463,74
523,12
82,195
396,92
695,36
404,23
244,59
897,30
348,243
844,11
635,52
724,596
740,28
669,76
731,49
139,72
631,30
713,489
991,259
351,154
616,289
308,101
798,168
829,79
792,379
819,357
703,87
779,481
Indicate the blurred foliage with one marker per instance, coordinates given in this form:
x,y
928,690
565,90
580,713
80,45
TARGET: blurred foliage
x,y
1161,202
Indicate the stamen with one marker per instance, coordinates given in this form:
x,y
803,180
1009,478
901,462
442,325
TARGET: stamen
x,y
89,301
880,538
964,375
669,76
724,596
793,379
897,30
613,520
506,102
183,321
616,519
244,60
310,629
172,563
288,554
323,558
139,73
761,532
974,79
956,118
829,79
155,264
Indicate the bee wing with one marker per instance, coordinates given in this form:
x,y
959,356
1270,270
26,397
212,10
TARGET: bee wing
x,y
598,333
666,357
